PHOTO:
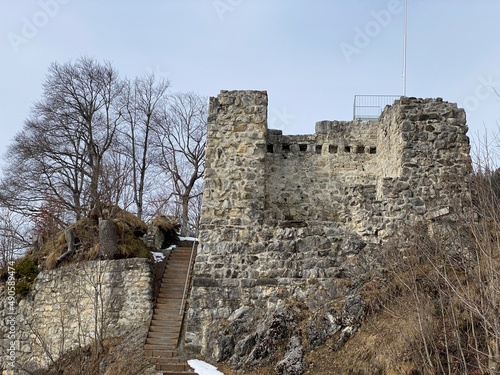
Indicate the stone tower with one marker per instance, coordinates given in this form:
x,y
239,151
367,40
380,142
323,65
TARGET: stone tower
x,y
235,159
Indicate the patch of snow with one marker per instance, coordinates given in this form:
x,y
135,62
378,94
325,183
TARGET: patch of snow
x,y
188,239
171,247
158,256
203,368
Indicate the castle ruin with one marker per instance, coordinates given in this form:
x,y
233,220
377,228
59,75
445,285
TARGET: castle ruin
x,y
300,218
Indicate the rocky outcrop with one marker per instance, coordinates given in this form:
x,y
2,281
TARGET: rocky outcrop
x,y
293,362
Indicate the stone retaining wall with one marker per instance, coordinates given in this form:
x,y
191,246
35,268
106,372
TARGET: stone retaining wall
x,y
69,307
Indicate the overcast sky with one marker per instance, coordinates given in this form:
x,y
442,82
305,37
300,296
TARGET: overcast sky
x,y
312,56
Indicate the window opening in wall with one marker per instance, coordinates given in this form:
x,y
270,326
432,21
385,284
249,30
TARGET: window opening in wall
x,y
285,147
360,149
270,148
318,149
373,150
332,149
302,147
347,148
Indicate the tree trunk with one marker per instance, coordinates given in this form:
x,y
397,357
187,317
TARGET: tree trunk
x,y
185,217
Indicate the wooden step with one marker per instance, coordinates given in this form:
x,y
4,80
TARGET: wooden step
x,y
171,316
181,279
171,286
175,284
168,306
163,343
174,302
169,298
155,350
173,309
163,335
165,323
162,328
177,273
170,295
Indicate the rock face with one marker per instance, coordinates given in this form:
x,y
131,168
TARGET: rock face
x,y
293,363
70,306
298,220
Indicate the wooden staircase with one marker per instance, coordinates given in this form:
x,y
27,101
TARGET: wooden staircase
x,y
162,342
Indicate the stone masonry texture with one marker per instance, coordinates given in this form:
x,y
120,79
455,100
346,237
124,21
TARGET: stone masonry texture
x,y
297,220
70,306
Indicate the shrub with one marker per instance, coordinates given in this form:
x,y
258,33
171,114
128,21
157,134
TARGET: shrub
x,y
26,272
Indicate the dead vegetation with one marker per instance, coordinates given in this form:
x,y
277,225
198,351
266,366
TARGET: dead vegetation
x,y
119,355
437,310
130,230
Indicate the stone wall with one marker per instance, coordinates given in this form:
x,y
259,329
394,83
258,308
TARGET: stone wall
x,y
235,159
69,307
301,219
306,175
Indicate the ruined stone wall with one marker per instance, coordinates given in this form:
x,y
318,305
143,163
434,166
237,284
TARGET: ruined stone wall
x,y
62,310
307,175
301,219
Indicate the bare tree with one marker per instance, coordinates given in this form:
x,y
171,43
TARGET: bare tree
x,y
45,159
62,148
116,181
142,99
95,140
13,236
180,144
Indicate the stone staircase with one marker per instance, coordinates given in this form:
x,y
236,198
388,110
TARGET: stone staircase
x,y
162,342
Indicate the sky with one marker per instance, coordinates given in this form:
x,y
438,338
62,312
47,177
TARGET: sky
x,y
311,56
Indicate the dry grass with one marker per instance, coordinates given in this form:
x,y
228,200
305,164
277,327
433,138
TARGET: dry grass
x,y
119,356
130,244
166,223
385,344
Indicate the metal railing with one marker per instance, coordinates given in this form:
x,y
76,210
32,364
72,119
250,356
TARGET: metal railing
x,y
186,284
369,107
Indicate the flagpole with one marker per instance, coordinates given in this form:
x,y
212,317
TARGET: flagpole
x,y
404,47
